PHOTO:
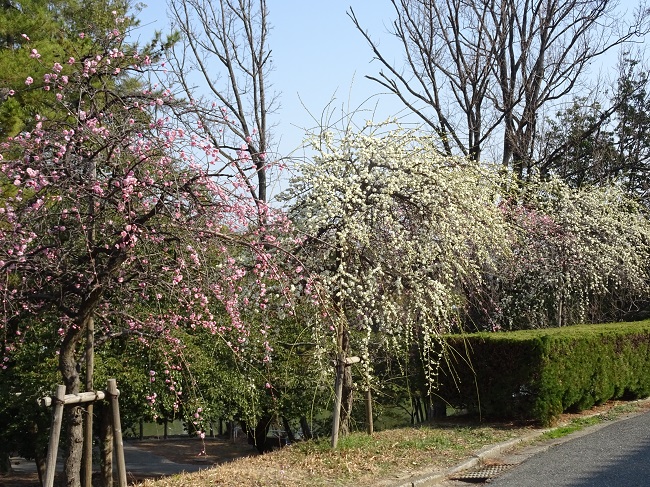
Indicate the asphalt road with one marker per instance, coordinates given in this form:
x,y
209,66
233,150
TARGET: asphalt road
x,y
617,455
137,461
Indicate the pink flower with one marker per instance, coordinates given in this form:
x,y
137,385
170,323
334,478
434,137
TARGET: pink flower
x,y
29,80
34,54
57,67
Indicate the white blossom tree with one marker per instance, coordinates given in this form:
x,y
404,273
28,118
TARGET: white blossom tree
x,y
395,233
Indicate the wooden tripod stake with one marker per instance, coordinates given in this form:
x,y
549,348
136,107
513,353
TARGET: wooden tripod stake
x,y
59,400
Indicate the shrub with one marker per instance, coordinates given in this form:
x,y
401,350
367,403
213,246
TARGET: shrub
x,y
538,374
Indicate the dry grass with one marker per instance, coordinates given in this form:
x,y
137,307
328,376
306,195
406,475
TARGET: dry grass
x,y
360,459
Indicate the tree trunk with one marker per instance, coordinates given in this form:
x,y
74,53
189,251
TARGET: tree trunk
x,y
69,368
306,430
260,432
416,411
74,433
40,467
439,408
87,456
5,463
287,428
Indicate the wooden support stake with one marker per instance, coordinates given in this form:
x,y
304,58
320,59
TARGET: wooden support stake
x,y
117,432
371,426
338,394
55,434
87,458
74,398
348,361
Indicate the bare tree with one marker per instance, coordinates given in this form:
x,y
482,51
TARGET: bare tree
x,y
224,56
587,144
482,72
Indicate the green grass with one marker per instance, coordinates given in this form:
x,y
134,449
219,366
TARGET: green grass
x,y
572,427
581,423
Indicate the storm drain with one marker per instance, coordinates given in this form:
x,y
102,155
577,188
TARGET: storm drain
x,y
483,474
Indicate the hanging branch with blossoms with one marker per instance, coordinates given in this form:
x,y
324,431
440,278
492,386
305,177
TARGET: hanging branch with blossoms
x,y
396,233
111,214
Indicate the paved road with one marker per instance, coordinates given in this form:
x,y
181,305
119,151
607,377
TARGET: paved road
x,y
137,461
143,462
617,455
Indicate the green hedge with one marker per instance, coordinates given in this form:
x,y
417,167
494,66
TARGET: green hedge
x,y
538,374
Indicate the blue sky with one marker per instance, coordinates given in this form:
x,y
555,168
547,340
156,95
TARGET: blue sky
x,y
317,55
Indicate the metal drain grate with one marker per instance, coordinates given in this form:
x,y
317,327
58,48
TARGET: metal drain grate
x,y
483,474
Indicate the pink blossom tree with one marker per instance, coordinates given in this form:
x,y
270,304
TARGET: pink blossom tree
x,y
113,219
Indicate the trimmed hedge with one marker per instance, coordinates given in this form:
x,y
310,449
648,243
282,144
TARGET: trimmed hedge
x,y
539,374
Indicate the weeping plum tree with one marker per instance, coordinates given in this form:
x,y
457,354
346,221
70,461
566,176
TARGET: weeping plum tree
x,y
395,233
115,217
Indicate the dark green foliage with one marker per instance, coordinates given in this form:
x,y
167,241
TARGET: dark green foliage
x,y
539,374
28,375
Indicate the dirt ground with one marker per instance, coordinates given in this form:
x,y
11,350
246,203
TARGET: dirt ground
x,y
183,450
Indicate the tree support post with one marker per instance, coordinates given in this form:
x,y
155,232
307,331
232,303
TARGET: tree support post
x,y
114,393
370,426
55,433
61,399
